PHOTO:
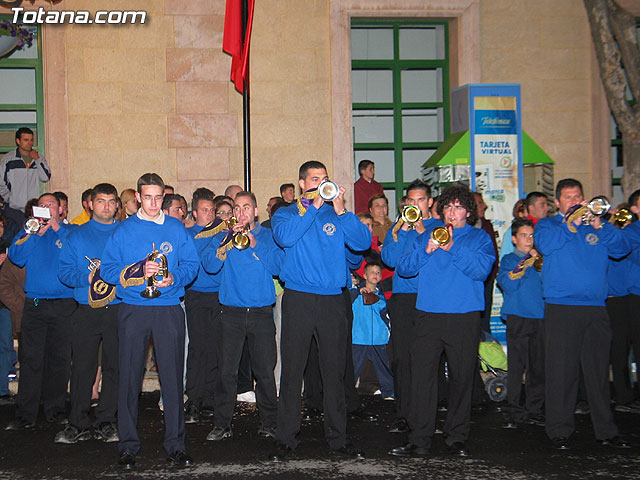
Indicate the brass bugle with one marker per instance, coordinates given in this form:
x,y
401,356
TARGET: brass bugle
x,y
410,215
622,218
241,240
328,190
441,235
32,225
151,291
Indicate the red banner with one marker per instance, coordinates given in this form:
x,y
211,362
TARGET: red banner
x,y
232,41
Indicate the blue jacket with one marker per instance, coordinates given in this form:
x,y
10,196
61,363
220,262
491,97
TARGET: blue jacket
x,y
314,246
132,241
632,234
619,276
368,326
392,251
205,281
575,264
453,281
88,239
523,296
39,256
246,275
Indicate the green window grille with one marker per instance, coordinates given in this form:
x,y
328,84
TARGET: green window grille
x,y
21,95
400,97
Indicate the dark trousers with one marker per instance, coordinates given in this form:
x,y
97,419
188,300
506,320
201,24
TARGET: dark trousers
x,y
625,329
91,327
377,354
402,310
136,324
458,336
203,312
45,356
245,371
525,356
313,396
305,315
577,336
255,325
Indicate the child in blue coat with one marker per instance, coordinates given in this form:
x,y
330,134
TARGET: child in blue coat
x,y
371,329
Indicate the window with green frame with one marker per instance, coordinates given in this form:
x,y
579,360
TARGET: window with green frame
x,y
400,97
21,97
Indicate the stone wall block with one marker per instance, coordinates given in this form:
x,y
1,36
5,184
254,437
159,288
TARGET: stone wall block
x,y
191,7
197,65
197,163
148,98
113,65
307,98
96,98
203,130
202,97
192,31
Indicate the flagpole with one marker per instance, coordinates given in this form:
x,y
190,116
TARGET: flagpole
x,y
246,122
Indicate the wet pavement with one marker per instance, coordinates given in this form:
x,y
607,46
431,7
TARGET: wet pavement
x,y
495,453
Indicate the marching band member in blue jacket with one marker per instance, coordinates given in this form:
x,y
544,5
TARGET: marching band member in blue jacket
x,y
451,279
576,324
247,296
314,235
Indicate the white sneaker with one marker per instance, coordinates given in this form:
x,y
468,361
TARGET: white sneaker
x,y
248,397
377,392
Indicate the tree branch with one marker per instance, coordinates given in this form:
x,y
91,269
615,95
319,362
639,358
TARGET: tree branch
x,y
609,62
623,25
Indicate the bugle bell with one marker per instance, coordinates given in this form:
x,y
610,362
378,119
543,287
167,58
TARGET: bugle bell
x,y
410,215
32,225
328,190
151,291
622,218
441,235
241,240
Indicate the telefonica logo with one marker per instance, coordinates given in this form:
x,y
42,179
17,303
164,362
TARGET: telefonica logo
x,y
495,121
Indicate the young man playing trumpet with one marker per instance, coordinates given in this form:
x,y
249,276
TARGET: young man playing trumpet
x,y
402,304
245,256
451,276
576,325
314,235
128,264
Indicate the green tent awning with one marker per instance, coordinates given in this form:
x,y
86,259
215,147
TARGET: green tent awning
x,y
456,150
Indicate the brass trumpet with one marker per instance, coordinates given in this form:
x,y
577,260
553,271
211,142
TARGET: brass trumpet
x,y
32,225
328,190
527,261
440,235
410,215
241,240
622,218
150,290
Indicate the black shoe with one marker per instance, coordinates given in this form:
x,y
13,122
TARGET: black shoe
x,y
20,424
509,425
363,415
180,459
192,414
537,420
107,432
311,414
348,451
59,418
458,449
127,460
72,434
399,426
560,443
282,454
206,412
409,450
631,407
615,442
267,432
219,433
582,408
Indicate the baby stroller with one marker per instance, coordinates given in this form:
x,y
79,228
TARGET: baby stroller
x,y
493,362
